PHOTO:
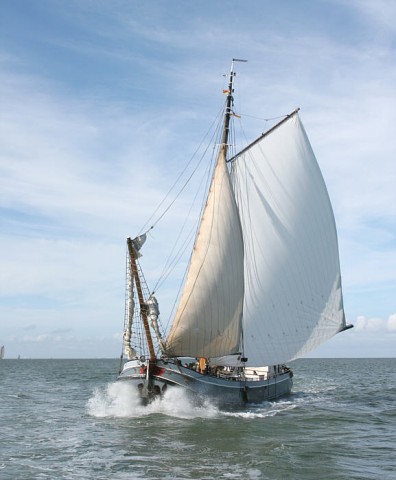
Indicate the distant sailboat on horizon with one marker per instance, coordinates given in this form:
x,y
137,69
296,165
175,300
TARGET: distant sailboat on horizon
x,y
2,352
263,285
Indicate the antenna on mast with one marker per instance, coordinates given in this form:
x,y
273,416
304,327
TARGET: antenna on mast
x,y
239,60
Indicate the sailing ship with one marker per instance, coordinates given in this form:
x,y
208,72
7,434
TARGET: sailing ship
x,y
263,285
2,352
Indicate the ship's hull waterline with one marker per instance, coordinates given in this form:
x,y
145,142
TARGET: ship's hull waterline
x,y
222,391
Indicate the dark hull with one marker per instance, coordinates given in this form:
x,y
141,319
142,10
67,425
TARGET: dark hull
x,y
228,391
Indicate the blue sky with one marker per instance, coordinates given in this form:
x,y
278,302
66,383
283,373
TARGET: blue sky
x,y
103,102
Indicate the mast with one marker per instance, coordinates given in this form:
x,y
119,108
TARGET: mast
x,y
207,322
224,140
143,305
228,110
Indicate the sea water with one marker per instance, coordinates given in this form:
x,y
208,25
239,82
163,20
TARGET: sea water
x,y
70,419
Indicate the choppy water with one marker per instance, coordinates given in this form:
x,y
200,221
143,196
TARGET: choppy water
x,y
68,419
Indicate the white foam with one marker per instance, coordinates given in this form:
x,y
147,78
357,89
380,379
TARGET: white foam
x,y
116,400
264,410
120,399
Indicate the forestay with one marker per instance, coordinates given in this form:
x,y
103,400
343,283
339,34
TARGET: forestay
x,y
293,299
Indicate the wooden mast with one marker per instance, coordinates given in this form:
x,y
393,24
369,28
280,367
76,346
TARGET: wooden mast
x,y
143,305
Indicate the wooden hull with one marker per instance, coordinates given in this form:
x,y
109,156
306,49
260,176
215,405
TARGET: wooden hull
x,y
222,391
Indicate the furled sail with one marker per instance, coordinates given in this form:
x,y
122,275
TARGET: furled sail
x,y
293,298
208,319
130,352
128,349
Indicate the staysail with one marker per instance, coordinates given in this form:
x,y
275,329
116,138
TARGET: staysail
x,y
293,299
208,319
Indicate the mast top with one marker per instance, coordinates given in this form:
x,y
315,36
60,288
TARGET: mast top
x,y
228,109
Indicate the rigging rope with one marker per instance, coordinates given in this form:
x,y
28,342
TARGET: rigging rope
x,y
142,230
195,229
171,263
261,118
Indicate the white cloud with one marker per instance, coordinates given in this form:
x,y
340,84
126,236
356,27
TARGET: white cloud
x,y
392,323
360,324
375,325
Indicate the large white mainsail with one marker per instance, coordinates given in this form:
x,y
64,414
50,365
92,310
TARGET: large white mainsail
x,y
293,299
208,319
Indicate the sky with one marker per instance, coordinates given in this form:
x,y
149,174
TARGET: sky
x,y
101,105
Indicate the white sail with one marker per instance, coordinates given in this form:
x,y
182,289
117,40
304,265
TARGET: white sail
x,y
208,319
293,299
